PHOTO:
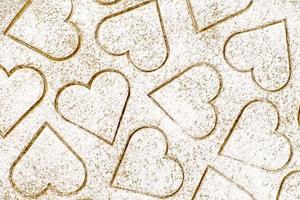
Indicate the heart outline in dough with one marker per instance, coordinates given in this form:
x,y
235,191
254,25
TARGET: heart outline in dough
x,y
36,49
127,52
287,40
228,17
39,100
235,123
49,185
165,157
88,86
174,78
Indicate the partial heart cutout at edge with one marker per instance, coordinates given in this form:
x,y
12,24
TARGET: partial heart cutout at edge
x,y
36,49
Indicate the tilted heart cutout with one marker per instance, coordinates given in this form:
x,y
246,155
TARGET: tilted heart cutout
x,y
21,90
253,139
137,32
265,54
48,163
187,99
98,106
145,166
208,13
215,185
44,27
289,187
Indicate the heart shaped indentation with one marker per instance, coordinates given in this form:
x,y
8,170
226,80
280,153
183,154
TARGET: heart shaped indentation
x,y
253,139
48,163
215,185
187,99
208,13
44,27
263,51
145,166
137,32
98,106
289,187
21,90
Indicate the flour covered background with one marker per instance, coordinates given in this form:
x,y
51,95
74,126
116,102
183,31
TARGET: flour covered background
x,y
149,99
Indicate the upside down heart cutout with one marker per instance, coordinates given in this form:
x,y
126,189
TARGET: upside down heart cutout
x,y
98,106
208,13
137,32
15,106
253,139
48,163
265,54
54,36
145,166
187,99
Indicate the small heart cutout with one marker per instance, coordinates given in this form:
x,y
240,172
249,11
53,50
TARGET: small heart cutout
x,y
215,185
145,166
98,106
263,51
48,163
253,138
187,99
208,13
137,32
21,90
289,187
44,27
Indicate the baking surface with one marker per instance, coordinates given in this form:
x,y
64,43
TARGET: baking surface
x,y
149,99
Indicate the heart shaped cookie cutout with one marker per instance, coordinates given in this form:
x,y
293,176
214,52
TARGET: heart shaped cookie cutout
x,y
21,90
264,52
137,32
187,98
208,13
253,139
48,163
45,27
145,166
215,185
289,187
98,106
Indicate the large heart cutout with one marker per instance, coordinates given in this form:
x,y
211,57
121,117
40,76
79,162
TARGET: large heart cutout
x,y
145,166
48,163
253,139
21,90
208,13
137,32
215,185
98,106
44,27
289,187
263,51
187,99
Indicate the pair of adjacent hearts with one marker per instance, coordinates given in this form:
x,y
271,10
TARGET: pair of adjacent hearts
x,y
36,171
262,51
45,27
208,13
187,98
215,185
253,139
